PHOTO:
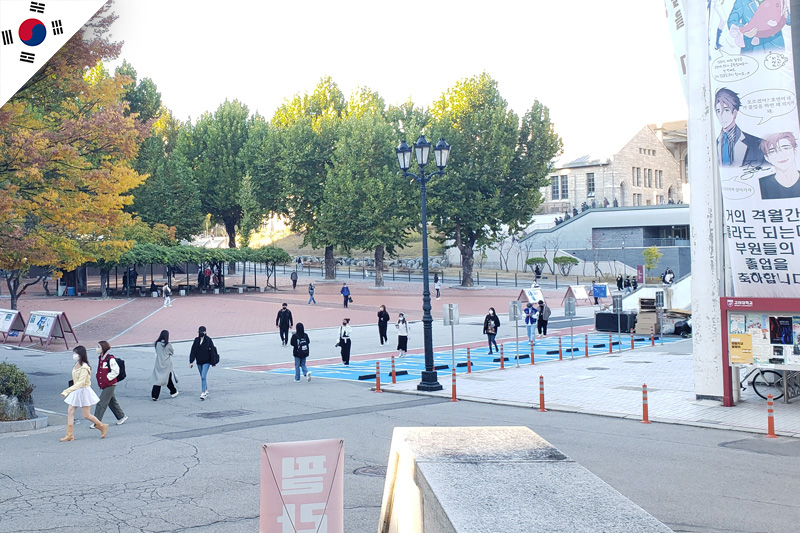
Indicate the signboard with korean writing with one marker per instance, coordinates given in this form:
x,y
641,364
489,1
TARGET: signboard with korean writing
x,y
762,331
11,323
600,290
755,153
49,325
302,487
531,295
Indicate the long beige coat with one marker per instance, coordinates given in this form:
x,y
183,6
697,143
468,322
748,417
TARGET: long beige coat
x,y
163,365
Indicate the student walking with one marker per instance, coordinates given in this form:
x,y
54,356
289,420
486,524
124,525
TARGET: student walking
x,y
490,326
167,295
627,284
345,294
344,341
530,321
619,283
284,322
293,277
311,290
162,370
383,323
80,394
544,316
402,335
300,350
204,353
107,372
438,286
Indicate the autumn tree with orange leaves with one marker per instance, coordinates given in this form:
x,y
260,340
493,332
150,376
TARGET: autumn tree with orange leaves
x,y
66,152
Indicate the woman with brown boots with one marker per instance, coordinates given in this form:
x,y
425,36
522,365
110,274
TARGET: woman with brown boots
x,y
80,394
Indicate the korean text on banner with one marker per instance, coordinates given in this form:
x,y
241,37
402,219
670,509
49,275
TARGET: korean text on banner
x,y
756,131
302,487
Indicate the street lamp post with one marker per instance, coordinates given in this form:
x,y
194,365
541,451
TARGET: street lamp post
x,y
441,153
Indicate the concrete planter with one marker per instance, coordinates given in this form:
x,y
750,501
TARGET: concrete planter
x,y
23,425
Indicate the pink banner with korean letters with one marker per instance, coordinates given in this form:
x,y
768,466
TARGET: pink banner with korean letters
x,y
302,487
757,134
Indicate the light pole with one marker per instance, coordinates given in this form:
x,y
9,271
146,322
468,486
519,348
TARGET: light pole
x,y
441,153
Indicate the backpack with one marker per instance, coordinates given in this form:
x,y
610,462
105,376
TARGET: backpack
x,y
121,364
167,291
302,346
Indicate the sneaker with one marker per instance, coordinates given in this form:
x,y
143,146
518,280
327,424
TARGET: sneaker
x,y
122,420
297,380
203,395
308,376
155,399
173,395
92,427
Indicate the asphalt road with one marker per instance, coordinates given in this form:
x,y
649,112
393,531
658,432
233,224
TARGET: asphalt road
x,y
181,464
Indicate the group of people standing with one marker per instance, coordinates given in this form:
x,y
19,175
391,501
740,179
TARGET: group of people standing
x,y
627,285
536,318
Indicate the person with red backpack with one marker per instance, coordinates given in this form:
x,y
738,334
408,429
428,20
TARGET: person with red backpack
x,y
108,370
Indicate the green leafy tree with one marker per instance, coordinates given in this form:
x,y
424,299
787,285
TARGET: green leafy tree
x,y
497,165
251,211
651,258
307,128
143,96
565,264
262,155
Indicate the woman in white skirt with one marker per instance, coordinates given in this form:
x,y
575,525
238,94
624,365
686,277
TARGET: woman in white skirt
x,y
80,394
402,335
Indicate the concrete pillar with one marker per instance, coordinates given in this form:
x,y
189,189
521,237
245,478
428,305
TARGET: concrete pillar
x,y
706,215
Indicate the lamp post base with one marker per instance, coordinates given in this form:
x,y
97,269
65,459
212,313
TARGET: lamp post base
x,y
429,382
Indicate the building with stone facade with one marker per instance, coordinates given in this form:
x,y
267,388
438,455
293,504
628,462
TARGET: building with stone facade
x,y
648,170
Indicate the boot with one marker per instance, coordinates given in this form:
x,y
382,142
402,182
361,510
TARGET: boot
x,y
103,429
69,435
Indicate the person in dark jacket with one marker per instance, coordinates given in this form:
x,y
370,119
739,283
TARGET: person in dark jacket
x,y
490,326
311,290
204,353
544,316
293,277
345,292
284,322
383,322
300,348
619,283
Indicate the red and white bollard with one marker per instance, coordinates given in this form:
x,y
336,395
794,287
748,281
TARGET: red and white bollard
x,y
502,358
378,376
541,395
586,345
469,363
560,352
394,375
631,341
533,357
610,346
770,419
454,399
645,411
652,335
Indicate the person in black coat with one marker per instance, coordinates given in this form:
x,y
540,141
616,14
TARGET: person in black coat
x,y
300,349
383,322
204,353
490,325
284,322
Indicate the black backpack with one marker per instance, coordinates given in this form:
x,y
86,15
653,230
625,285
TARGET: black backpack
x,y
121,364
302,346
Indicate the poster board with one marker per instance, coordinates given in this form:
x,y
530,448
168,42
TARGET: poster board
x,y
578,292
302,486
600,290
532,295
48,325
11,324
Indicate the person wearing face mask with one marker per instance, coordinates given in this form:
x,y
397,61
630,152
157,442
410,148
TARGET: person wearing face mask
x,y
162,370
344,341
402,335
284,322
490,325
544,316
80,394
107,372
204,353
383,323
530,321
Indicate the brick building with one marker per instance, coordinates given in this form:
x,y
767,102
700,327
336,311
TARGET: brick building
x,y
648,170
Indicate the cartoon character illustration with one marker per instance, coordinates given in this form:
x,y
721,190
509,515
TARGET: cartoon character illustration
x,y
735,148
757,25
780,151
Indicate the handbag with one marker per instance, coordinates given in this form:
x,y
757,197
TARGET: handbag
x,y
71,383
215,357
349,299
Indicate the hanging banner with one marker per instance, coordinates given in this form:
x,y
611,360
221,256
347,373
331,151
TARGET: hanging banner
x,y
677,30
757,134
302,487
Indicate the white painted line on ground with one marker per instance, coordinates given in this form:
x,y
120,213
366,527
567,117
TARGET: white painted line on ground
x,y
134,325
103,313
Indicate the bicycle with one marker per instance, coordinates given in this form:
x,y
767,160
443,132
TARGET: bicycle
x,y
765,382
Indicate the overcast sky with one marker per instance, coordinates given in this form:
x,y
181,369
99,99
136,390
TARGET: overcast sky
x,y
605,69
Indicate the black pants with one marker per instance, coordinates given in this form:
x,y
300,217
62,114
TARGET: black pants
x,y
294,283
170,385
346,298
382,332
284,335
345,346
541,326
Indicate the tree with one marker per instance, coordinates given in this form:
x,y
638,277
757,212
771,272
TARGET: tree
x,y
219,162
497,166
565,264
379,212
651,257
307,128
66,147
251,211
143,97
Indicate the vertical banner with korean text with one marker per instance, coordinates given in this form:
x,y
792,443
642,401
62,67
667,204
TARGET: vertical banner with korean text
x,y
302,487
757,135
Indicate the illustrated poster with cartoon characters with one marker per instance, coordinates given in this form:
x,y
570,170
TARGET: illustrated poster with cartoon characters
x,y
756,145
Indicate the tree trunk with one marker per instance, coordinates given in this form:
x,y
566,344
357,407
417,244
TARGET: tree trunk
x,y
379,266
467,263
330,263
230,229
13,284
104,283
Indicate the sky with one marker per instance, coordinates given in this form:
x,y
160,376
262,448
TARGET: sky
x,y
604,69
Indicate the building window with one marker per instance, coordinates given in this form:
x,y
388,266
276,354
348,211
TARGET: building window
x,y
590,184
554,187
638,181
660,179
564,187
